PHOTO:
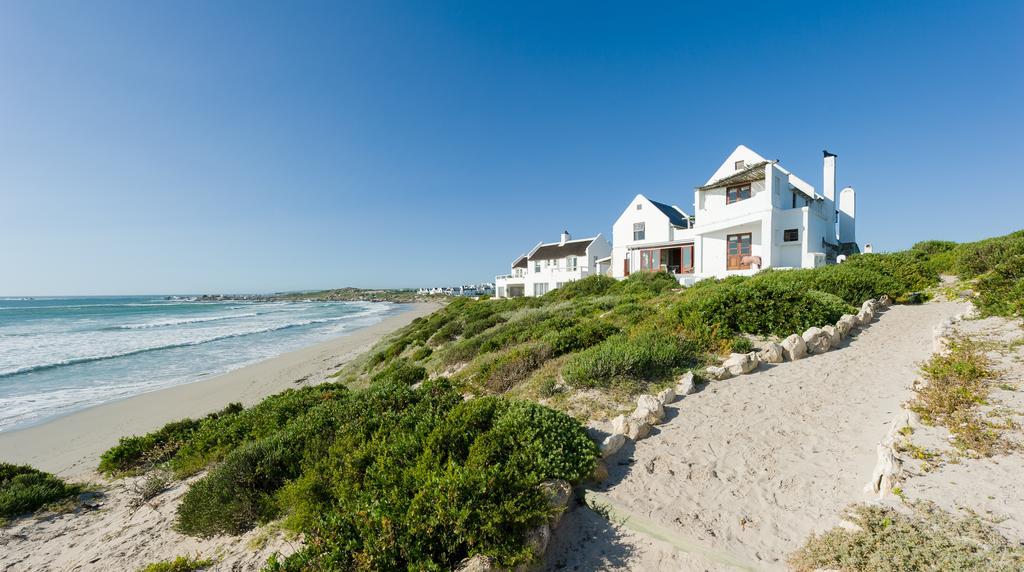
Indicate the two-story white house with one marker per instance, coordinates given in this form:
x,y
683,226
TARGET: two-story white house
x,y
751,214
552,265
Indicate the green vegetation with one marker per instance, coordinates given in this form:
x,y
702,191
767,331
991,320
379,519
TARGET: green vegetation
x,y
355,295
997,264
926,539
24,490
180,564
957,384
387,477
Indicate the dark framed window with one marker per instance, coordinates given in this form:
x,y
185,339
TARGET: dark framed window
x,y
791,235
739,165
737,194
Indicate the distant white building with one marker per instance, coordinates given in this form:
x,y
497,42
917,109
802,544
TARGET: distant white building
x,y
551,265
751,214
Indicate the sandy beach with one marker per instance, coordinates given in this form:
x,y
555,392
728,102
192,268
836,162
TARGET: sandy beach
x,y
71,445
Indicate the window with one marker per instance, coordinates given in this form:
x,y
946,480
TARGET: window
x,y
570,263
737,194
794,199
639,206
738,246
540,289
649,260
739,165
536,265
560,284
501,291
791,235
639,232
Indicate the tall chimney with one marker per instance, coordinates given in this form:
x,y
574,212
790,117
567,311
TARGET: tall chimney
x,y
565,238
848,215
829,176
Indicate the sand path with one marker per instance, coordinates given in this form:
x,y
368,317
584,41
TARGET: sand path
x,y
743,471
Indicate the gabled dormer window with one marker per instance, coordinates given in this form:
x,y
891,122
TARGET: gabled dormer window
x,y
737,194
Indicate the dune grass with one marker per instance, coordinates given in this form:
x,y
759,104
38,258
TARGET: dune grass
x,y
180,564
926,539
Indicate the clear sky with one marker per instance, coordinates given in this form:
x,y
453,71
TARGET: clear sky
x,y
194,146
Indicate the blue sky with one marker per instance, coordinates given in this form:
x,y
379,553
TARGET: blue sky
x,y
172,147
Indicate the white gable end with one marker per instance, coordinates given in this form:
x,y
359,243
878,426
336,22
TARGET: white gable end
x,y
728,167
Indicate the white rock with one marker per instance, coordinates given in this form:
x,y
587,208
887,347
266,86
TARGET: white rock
x,y
871,305
685,385
884,301
649,409
558,493
794,347
864,317
771,352
634,429
612,444
739,364
478,563
834,337
888,470
848,321
667,395
817,341
716,372
537,540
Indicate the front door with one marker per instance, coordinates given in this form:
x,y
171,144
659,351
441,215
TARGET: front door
x,y
738,245
625,266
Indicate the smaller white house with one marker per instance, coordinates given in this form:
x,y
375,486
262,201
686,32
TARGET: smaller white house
x,y
652,236
551,265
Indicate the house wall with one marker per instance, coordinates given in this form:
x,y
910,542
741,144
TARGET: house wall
x,y
713,255
711,207
657,229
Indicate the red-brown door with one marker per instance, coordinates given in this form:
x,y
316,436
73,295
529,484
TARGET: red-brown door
x,y
738,246
625,267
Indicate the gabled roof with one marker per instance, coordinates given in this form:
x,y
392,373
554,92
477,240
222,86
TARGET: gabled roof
x,y
520,262
674,216
554,250
749,174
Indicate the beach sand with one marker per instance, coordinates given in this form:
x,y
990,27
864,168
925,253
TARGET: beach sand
x,y
71,445
744,470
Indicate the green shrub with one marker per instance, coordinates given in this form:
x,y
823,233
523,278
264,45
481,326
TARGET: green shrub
x,y
238,493
644,356
646,284
765,306
24,490
432,482
579,336
1001,291
180,564
400,371
501,371
590,286
933,247
136,454
421,353
976,258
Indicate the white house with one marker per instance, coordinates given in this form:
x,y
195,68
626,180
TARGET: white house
x,y
551,265
751,214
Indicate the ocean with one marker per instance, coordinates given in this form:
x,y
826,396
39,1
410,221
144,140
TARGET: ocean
x,y
58,355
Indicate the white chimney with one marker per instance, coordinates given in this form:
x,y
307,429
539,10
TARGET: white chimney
x,y
847,215
565,238
829,176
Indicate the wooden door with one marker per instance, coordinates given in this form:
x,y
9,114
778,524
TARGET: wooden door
x,y
625,266
738,246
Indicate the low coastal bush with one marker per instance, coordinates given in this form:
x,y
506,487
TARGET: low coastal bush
x,y
630,360
180,564
884,538
774,305
24,490
389,477
1001,291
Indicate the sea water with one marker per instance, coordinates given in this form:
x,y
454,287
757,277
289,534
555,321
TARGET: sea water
x,y
59,355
